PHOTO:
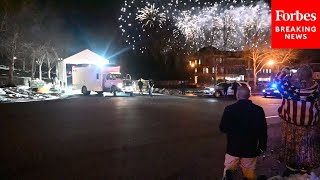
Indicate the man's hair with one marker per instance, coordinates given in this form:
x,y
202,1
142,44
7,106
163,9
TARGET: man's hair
x,y
305,72
243,92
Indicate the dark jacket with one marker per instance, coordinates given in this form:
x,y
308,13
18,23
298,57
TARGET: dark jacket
x,y
235,86
225,86
246,128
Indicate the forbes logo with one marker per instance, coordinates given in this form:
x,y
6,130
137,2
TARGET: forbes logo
x,y
281,15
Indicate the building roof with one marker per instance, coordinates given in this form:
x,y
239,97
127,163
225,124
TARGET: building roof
x,y
86,57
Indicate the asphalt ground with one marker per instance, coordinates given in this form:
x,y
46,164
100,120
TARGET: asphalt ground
x,y
140,137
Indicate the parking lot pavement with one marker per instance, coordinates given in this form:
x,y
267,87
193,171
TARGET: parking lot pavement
x,y
92,137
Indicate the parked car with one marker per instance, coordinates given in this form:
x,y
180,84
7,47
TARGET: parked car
x,y
271,91
218,91
211,91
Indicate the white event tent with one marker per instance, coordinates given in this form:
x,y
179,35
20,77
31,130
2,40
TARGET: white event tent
x,y
83,57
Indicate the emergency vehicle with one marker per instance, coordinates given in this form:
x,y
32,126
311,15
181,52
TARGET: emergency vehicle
x,y
99,79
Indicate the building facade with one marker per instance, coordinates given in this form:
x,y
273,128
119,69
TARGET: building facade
x,y
211,66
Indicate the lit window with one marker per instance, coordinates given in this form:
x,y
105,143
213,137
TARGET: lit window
x,y
204,70
199,61
190,62
213,69
195,70
262,70
222,70
207,70
220,60
270,71
195,61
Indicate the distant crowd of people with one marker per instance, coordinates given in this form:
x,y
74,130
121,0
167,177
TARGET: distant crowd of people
x,y
245,126
150,86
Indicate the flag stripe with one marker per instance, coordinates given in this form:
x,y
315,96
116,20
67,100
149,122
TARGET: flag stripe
x,y
303,112
299,121
294,112
288,111
310,114
299,106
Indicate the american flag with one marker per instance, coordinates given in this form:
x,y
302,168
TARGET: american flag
x,y
299,106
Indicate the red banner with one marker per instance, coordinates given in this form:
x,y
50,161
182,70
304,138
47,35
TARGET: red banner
x,y
296,24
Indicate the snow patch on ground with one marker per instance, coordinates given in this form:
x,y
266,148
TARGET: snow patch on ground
x,y
24,94
4,67
2,92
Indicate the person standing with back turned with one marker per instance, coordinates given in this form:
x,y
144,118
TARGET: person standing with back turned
x,y
245,125
235,88
300,113
140,84
225,88
150,87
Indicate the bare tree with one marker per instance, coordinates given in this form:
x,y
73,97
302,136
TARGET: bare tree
x,y
38,56
227,33
259,52
52,60
3,21
40,53
32,50
13,23
10,49
3,16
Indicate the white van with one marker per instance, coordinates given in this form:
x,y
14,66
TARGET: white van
x,y
98,79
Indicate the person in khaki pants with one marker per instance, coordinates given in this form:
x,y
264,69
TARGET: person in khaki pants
x,y
245,126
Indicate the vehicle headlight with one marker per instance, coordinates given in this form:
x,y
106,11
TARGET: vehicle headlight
x,y
211,89
264,90
120,85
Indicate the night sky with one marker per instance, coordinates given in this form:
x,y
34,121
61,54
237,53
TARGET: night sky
x,y
94,25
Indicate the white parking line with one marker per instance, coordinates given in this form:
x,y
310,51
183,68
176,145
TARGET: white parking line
x,y
269,117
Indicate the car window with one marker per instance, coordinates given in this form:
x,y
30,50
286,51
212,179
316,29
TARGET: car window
x,y
128,83
110,77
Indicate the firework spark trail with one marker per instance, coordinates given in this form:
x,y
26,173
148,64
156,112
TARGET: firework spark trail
x,y
212,24
140,20
148,16
222,25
